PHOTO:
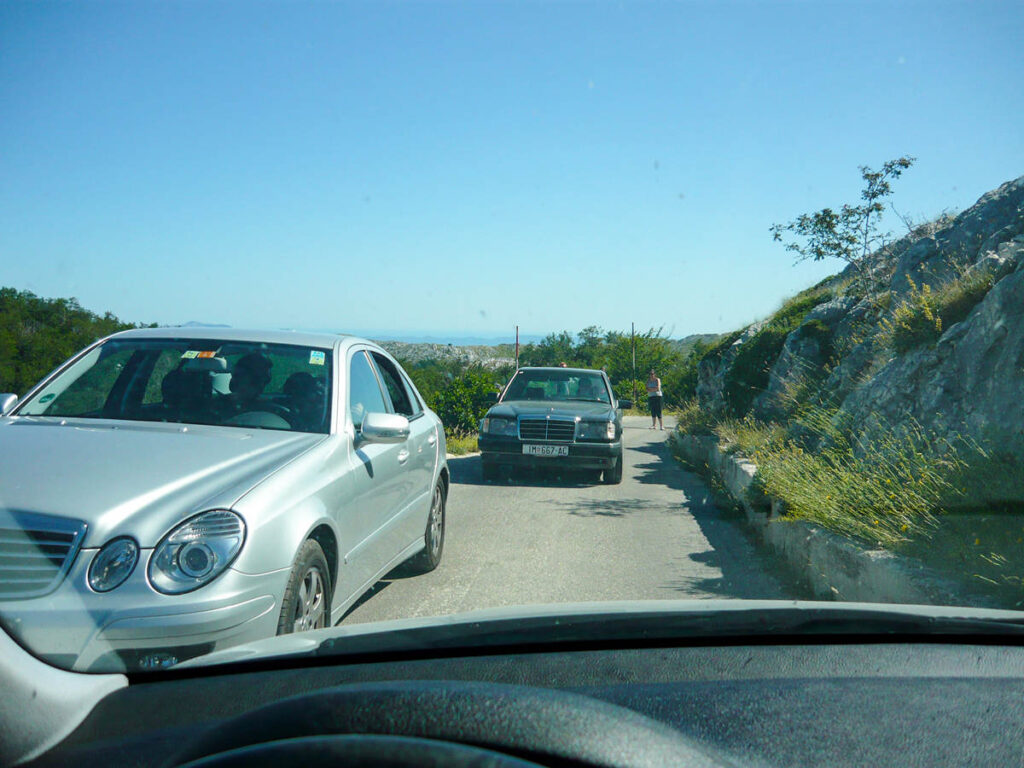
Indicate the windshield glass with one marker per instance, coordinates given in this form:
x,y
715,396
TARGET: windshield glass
x,y
193,381
557,385
316,316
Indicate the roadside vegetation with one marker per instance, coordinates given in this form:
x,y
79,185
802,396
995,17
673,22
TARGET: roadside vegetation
x,y
936,497
37,335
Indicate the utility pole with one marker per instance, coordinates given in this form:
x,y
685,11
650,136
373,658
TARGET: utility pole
x,y
632,341
517,347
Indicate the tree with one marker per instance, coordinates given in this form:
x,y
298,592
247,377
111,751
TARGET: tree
x,y
852,233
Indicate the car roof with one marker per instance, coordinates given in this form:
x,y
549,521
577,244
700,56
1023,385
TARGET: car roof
x,y
300,338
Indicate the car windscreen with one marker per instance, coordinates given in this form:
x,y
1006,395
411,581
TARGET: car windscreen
x,y
193,381
558,385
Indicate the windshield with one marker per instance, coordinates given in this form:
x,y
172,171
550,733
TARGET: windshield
x,y
192,381
316,316
557,385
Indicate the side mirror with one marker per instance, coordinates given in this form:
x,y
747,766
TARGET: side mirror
x,y
384,428
7,402
625,404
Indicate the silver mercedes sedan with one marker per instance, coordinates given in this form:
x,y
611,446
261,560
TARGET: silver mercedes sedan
x,y
169,492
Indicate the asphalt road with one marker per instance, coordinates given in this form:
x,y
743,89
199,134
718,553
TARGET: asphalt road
x,y
555,539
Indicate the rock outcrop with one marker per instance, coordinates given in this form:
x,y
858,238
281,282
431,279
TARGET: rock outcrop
x,y
969,382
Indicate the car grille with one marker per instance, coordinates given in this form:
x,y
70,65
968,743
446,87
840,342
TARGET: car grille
x,y
35,552
557,430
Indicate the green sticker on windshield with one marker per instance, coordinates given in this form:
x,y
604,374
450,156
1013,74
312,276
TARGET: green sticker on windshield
x,y
317,357
190,355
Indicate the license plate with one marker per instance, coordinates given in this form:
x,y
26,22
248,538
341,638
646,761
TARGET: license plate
x,y
546,450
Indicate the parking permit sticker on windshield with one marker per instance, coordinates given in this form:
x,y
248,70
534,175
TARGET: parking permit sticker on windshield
x,y
317,357
190,355
210,353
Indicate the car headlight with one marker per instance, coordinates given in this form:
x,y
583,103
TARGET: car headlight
x,y
196,552
498,426
597,430
113,564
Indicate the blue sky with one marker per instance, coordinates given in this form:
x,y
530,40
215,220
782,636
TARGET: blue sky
x,y
466,167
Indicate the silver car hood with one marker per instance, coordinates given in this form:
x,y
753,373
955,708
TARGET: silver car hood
x,y
134,478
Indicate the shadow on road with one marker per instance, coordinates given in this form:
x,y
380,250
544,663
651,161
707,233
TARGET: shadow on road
x,y
605,507
748,571
655,465
466,470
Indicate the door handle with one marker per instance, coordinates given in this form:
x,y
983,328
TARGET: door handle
x,y
403,456
432,439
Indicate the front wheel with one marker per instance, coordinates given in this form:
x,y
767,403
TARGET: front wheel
x,y
613,475
307,598
433,536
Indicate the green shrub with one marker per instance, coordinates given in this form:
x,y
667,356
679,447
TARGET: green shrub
x,y
464,401
691,419
461,443
914,321
883,493
750,370
955,300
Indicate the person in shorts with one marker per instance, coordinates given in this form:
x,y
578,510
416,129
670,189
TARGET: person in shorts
x,y
654,396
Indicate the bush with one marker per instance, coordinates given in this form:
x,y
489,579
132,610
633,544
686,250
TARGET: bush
x,y
691,419
914,321
464,402
955,300
750,370
882,493
624,390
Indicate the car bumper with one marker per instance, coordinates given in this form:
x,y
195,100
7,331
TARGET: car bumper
x,y
136,627
509,452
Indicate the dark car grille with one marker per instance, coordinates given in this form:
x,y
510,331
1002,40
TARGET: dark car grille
x,y
35,552
557,430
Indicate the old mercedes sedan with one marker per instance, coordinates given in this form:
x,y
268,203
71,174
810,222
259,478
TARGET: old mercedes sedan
x,y
169,492
554,417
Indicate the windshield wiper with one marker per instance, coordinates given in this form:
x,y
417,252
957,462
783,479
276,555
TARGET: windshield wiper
x,y
588,400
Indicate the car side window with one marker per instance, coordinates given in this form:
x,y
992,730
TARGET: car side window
x,y
417,405
364,393
393,381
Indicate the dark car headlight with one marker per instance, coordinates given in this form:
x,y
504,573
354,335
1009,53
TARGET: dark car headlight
x,y
495,425
113,564
196,552
597,430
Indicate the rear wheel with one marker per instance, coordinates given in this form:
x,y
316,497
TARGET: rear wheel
x,y
433,536
307,598
613,475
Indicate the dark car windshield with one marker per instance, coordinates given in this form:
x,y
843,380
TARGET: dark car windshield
x,y
557,385
194,381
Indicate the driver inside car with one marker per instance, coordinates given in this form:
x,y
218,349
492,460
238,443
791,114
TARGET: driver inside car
x,y
249,377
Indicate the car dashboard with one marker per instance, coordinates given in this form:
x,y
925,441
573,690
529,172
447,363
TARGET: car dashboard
x,y
852,701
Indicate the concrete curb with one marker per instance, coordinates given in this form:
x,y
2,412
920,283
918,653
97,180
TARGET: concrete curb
x,y
833,566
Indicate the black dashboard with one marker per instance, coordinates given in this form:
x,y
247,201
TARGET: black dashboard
x,y
800,704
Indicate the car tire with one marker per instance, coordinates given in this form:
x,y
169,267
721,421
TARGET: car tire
x,y
613,475
433,536
307,598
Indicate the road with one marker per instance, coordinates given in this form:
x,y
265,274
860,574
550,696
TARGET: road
x,y
552,539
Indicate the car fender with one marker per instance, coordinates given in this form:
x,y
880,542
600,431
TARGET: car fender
x,y
291,506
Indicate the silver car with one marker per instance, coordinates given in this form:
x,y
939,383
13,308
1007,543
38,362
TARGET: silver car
x,y
169,492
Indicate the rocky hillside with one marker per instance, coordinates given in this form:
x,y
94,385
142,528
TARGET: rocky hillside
x,y
936,340
487,356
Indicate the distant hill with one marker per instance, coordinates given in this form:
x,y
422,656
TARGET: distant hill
x,y
686,344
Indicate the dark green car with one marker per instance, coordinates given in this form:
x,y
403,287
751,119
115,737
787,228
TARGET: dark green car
x,y
554,417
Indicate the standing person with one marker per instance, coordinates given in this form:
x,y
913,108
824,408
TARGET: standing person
x,y
654,396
